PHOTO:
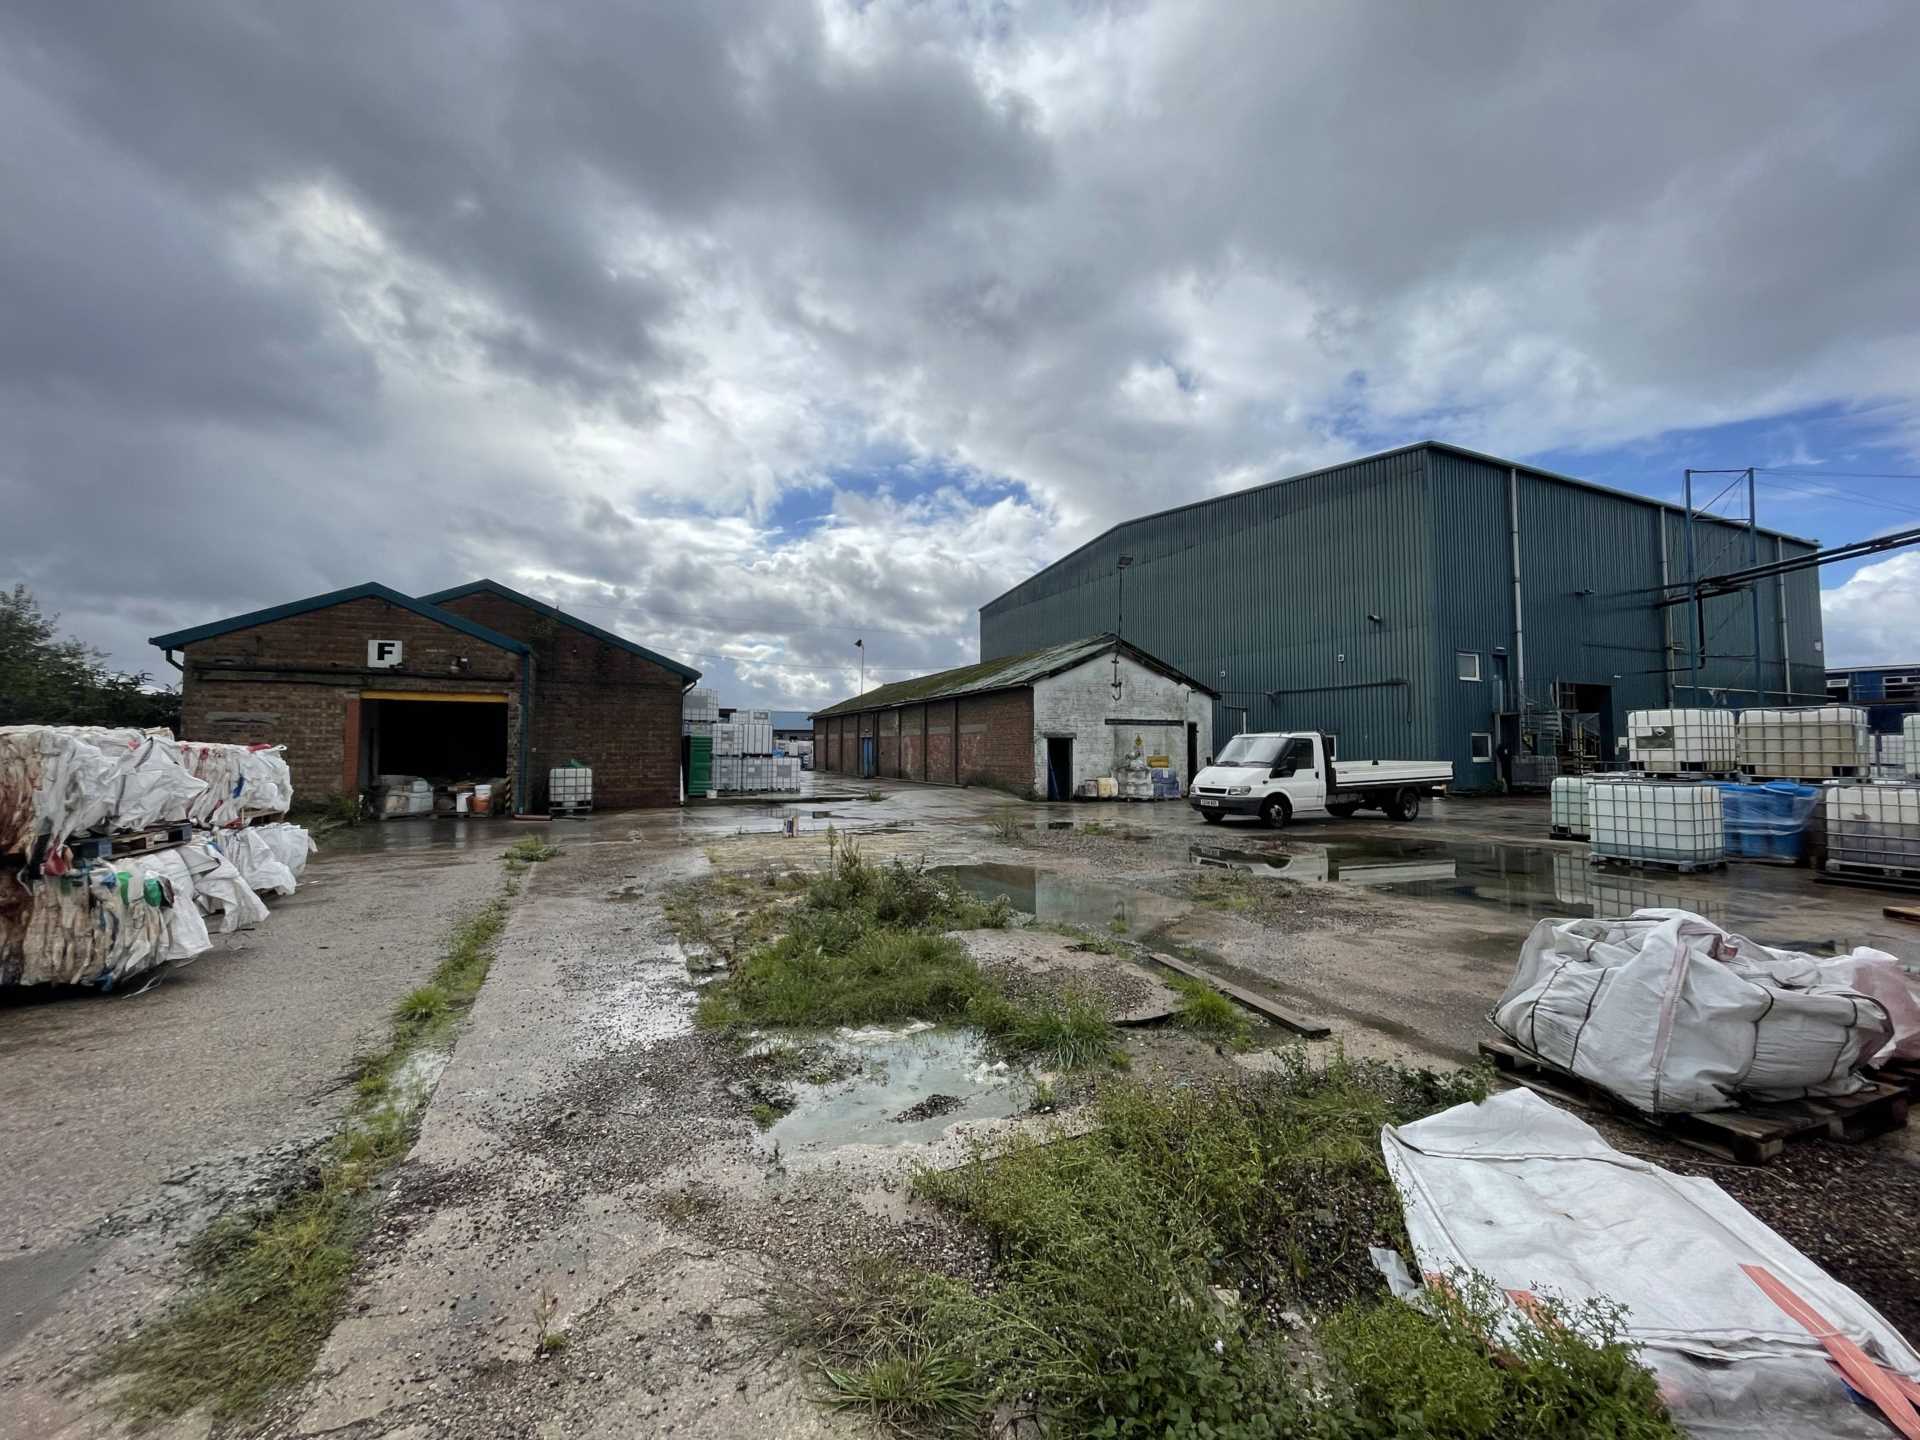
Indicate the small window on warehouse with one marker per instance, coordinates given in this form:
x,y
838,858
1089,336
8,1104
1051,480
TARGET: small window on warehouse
x,y
1466,664
1483,748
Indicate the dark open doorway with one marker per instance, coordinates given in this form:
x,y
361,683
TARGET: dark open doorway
x,y
1059,768
1193,750
442,740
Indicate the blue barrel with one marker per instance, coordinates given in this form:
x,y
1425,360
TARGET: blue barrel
x,y
1767,822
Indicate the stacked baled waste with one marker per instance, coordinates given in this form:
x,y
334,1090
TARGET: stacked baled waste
x,y
244,782
117,847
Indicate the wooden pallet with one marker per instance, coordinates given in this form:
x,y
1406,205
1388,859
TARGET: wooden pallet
x,y
1678,867
569,812
1752,1135
1562,832
1888,877
94,849
1903,1073
1910,913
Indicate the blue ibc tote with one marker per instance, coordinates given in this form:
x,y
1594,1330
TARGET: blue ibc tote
x,y
1767,822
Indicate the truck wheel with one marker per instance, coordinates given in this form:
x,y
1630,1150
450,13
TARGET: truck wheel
x,y
1276,812
1404,806
1343,809
1212,817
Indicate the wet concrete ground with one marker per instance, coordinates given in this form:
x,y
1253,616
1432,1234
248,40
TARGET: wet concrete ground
x,y
578,1105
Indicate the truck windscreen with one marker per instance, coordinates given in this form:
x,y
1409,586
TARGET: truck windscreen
x,y
1251,750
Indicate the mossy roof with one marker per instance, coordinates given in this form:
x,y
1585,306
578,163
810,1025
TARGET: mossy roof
x,y
1009,672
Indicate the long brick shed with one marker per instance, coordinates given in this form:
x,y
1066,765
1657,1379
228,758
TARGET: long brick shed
x,y
471,682
1036,724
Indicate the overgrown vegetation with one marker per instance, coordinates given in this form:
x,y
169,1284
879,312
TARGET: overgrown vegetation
x,y
864,945
1196,1265
1008,827
267,1285
49,680
1205,1010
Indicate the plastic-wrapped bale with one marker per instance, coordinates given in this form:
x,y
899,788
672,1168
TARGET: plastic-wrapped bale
x,y
1768,822
1568,806
1670,742
93,926
62,781
1666,824
1875,828
214,881
244,782
1910,745
291,844
1674,1015
255,858
1822,743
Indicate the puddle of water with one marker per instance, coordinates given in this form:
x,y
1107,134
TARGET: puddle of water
x,y
1531,880
1059,900
899,1069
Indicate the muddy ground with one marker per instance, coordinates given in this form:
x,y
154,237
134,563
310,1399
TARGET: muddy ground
x,y
599,1190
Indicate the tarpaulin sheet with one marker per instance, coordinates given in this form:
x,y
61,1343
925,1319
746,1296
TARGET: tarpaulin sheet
x,y
1674,1015
1532,1197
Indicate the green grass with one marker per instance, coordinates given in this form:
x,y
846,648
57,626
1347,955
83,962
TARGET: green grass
x,y
864,947
1140,1269
266,1286
1064,1032
530,850
766,1116
1206,1011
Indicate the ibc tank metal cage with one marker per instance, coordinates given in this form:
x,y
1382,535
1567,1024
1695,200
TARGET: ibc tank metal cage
x,y
1653,822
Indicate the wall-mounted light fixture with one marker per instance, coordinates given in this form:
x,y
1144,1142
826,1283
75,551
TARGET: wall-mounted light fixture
x,y
1375,618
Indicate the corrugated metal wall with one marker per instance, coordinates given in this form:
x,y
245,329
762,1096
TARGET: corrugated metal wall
x,y
1272,586
1277,587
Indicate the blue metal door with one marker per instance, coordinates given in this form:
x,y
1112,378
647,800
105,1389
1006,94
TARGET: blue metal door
x,y
869,766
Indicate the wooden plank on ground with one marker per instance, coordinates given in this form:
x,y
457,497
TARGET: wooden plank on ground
x,y
1259,1004
1909,913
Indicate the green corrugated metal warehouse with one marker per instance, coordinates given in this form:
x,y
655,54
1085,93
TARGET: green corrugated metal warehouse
x,y
1377,600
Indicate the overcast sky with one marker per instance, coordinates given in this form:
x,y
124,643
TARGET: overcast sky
x,y
750,328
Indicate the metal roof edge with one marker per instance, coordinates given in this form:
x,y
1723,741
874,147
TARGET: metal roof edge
x,y
494,587
371,590
1384,455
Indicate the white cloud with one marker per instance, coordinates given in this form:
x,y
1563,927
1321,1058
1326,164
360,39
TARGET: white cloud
x,y
1873,617
580,297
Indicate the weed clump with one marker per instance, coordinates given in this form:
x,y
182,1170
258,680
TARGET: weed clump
x,y
1142,1270
867,945
1206,1011
529,850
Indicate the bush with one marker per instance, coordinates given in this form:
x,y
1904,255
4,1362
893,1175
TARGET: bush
x,y
1467,1367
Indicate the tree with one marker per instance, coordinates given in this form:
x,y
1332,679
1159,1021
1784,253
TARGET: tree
x,y
49,680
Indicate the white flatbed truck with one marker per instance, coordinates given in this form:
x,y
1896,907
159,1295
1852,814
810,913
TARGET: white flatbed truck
x,y
1282,776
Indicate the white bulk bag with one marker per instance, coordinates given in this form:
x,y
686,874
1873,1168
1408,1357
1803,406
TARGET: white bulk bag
x,y
1673,1015
1532,1197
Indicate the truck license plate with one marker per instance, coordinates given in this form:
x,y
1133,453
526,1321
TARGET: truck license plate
x,y
1213,803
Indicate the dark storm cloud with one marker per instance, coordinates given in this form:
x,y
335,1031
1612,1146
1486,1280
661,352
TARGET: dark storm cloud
x,y
294,296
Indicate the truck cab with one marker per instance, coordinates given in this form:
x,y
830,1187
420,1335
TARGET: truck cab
x,y
1281,776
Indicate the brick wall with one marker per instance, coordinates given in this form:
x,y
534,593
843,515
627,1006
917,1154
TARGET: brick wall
x,y
940,751
913,747
996,740
594,702
294,682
